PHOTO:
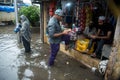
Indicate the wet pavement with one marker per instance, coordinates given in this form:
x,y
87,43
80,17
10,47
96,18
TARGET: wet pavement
x,y
17,65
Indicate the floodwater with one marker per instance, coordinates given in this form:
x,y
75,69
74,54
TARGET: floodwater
x,y
17,65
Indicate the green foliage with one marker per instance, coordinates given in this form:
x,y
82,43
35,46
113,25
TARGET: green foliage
x,y
31,12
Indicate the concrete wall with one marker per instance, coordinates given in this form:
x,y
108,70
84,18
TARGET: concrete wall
x,y
4,16
113,68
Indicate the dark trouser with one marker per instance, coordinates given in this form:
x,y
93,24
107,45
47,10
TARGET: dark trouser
x,y
91,43
99,42
55,48
26,45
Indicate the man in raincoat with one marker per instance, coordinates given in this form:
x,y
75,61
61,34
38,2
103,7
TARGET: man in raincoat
x,y
25,33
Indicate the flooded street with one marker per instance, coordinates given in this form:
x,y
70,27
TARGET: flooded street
x,y
17,65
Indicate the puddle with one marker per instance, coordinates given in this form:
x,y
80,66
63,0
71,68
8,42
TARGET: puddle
x,y
15,64
28,73
43,65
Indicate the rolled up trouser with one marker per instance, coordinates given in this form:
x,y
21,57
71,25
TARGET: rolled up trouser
x,y
54,51
66,38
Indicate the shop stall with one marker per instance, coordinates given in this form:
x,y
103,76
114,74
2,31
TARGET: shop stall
x,y
78,14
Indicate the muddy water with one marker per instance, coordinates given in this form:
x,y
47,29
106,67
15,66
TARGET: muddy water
x,y
17,65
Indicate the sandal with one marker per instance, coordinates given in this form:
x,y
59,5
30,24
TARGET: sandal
x,y
66,47
93,55
86,51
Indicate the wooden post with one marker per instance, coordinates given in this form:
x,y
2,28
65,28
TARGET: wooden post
x,y
45,20
42,22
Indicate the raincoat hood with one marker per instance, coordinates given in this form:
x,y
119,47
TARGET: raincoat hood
x,y
23,18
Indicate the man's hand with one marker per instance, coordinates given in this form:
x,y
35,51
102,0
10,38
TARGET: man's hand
x,y
66,31
93,36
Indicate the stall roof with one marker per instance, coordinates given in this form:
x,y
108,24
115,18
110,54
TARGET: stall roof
x,y
39,0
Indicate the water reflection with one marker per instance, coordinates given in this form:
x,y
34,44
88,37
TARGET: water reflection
x,y
8,57
28,73
43,64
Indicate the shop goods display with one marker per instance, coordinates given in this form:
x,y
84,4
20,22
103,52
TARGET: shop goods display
x,y
82,44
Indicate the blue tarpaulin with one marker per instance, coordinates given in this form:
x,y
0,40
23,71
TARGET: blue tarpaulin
x,y
7,8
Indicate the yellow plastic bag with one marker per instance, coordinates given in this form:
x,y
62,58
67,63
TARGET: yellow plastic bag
x,y
82,44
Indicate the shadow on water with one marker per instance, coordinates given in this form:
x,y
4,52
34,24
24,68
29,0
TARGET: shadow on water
x,y
17,65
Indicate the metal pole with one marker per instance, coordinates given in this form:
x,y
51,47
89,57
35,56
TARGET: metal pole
x,y
11,1
16,18
16,11
4,1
